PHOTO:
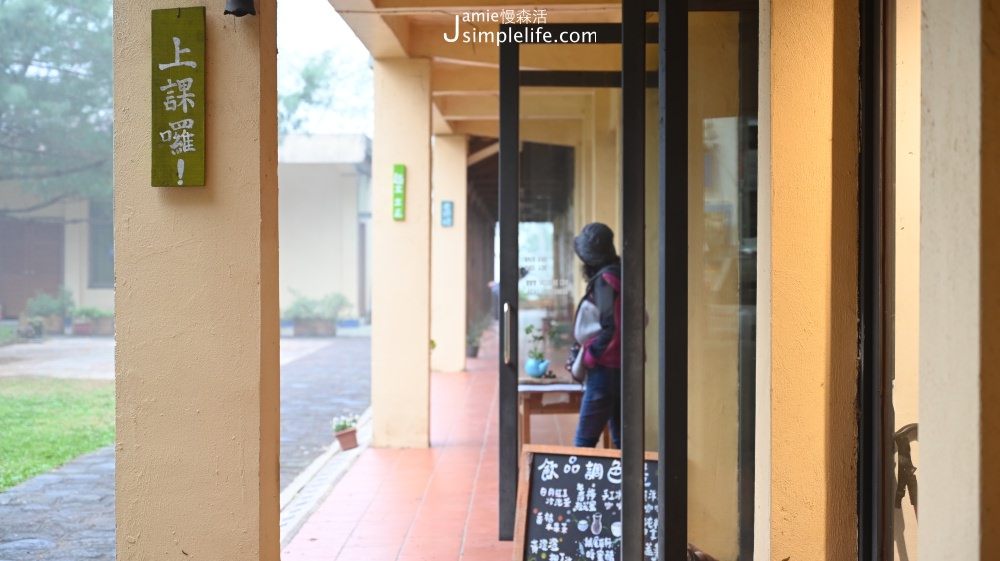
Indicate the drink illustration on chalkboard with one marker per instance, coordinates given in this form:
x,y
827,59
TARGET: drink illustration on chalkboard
x,y
596,526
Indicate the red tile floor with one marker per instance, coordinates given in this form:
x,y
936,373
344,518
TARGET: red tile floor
x,y
433,504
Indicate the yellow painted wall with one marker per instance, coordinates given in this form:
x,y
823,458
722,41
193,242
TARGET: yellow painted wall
x,y
990,287
448,254
401,259
813,79
607,159
196,357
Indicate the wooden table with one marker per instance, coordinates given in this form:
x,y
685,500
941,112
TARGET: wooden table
x,y
543,397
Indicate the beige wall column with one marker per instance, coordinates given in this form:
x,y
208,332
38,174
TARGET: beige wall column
x,y
401,256
949,282
448,254
813,79
197,305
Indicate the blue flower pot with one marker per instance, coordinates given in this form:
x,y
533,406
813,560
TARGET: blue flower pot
x,y
536,368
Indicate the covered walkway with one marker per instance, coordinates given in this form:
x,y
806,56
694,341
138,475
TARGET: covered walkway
x,y
435,503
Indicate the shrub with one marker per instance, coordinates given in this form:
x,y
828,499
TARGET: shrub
x,y
325,307
43,304
91,313
31,328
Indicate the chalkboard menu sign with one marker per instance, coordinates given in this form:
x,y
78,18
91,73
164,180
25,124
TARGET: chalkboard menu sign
x,y
569,505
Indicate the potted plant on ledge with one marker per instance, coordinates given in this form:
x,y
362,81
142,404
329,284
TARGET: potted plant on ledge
x,y
316,317
52,309
93,321
345,428
536,366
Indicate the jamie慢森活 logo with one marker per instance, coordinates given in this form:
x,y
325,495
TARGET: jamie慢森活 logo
x,y
467,28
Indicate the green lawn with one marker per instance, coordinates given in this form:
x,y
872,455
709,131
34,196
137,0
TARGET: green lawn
x,y
45,422
7,333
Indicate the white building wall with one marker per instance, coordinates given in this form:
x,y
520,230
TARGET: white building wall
x,y
318,232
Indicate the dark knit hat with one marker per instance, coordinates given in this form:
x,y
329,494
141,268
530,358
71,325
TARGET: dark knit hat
x,y
595,244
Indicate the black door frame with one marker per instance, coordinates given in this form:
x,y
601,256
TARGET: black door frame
x,y
632,34
875,283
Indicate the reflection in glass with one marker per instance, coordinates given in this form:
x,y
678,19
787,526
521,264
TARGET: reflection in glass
x,y
902,234
722,279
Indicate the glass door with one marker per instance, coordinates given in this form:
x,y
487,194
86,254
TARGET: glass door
x,y
558,170
701,336
663,151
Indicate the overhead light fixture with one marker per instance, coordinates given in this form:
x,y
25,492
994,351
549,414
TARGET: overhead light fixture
x,y
240,8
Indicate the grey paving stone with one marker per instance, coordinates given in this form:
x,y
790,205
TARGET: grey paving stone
x,y
69,514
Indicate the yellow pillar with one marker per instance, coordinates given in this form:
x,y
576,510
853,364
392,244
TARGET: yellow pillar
x,y
813,312
196,357
401,259
448,253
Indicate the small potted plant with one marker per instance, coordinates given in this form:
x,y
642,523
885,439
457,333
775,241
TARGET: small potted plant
x,y
536,366
93,321
345,428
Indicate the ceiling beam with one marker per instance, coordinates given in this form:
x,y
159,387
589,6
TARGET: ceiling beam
x,y
455,79
439,125
562,133
572,105
483,153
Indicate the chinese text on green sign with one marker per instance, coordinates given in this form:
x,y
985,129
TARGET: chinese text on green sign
x,y
178,64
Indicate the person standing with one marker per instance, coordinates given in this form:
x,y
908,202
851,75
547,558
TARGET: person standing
x,y
601,353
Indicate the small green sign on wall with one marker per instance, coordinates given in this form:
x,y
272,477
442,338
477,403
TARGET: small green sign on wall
x,y
398,192
178,57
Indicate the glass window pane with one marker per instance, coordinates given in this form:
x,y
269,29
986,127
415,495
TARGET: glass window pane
x,y
722,279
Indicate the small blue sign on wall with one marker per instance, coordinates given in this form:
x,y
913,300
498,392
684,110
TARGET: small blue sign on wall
x,y
447,214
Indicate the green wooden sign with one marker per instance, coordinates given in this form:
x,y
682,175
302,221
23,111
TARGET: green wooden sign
x,y
178,62
398,192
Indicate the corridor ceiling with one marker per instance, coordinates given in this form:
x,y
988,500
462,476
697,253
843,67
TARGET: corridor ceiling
x,y
464,78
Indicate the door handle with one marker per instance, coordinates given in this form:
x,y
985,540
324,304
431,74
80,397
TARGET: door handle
x,y
506,333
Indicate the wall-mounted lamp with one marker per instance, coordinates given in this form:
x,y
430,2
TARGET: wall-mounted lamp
x,y
240,8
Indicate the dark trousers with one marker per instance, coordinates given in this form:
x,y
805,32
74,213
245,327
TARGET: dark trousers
x,y
601,405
